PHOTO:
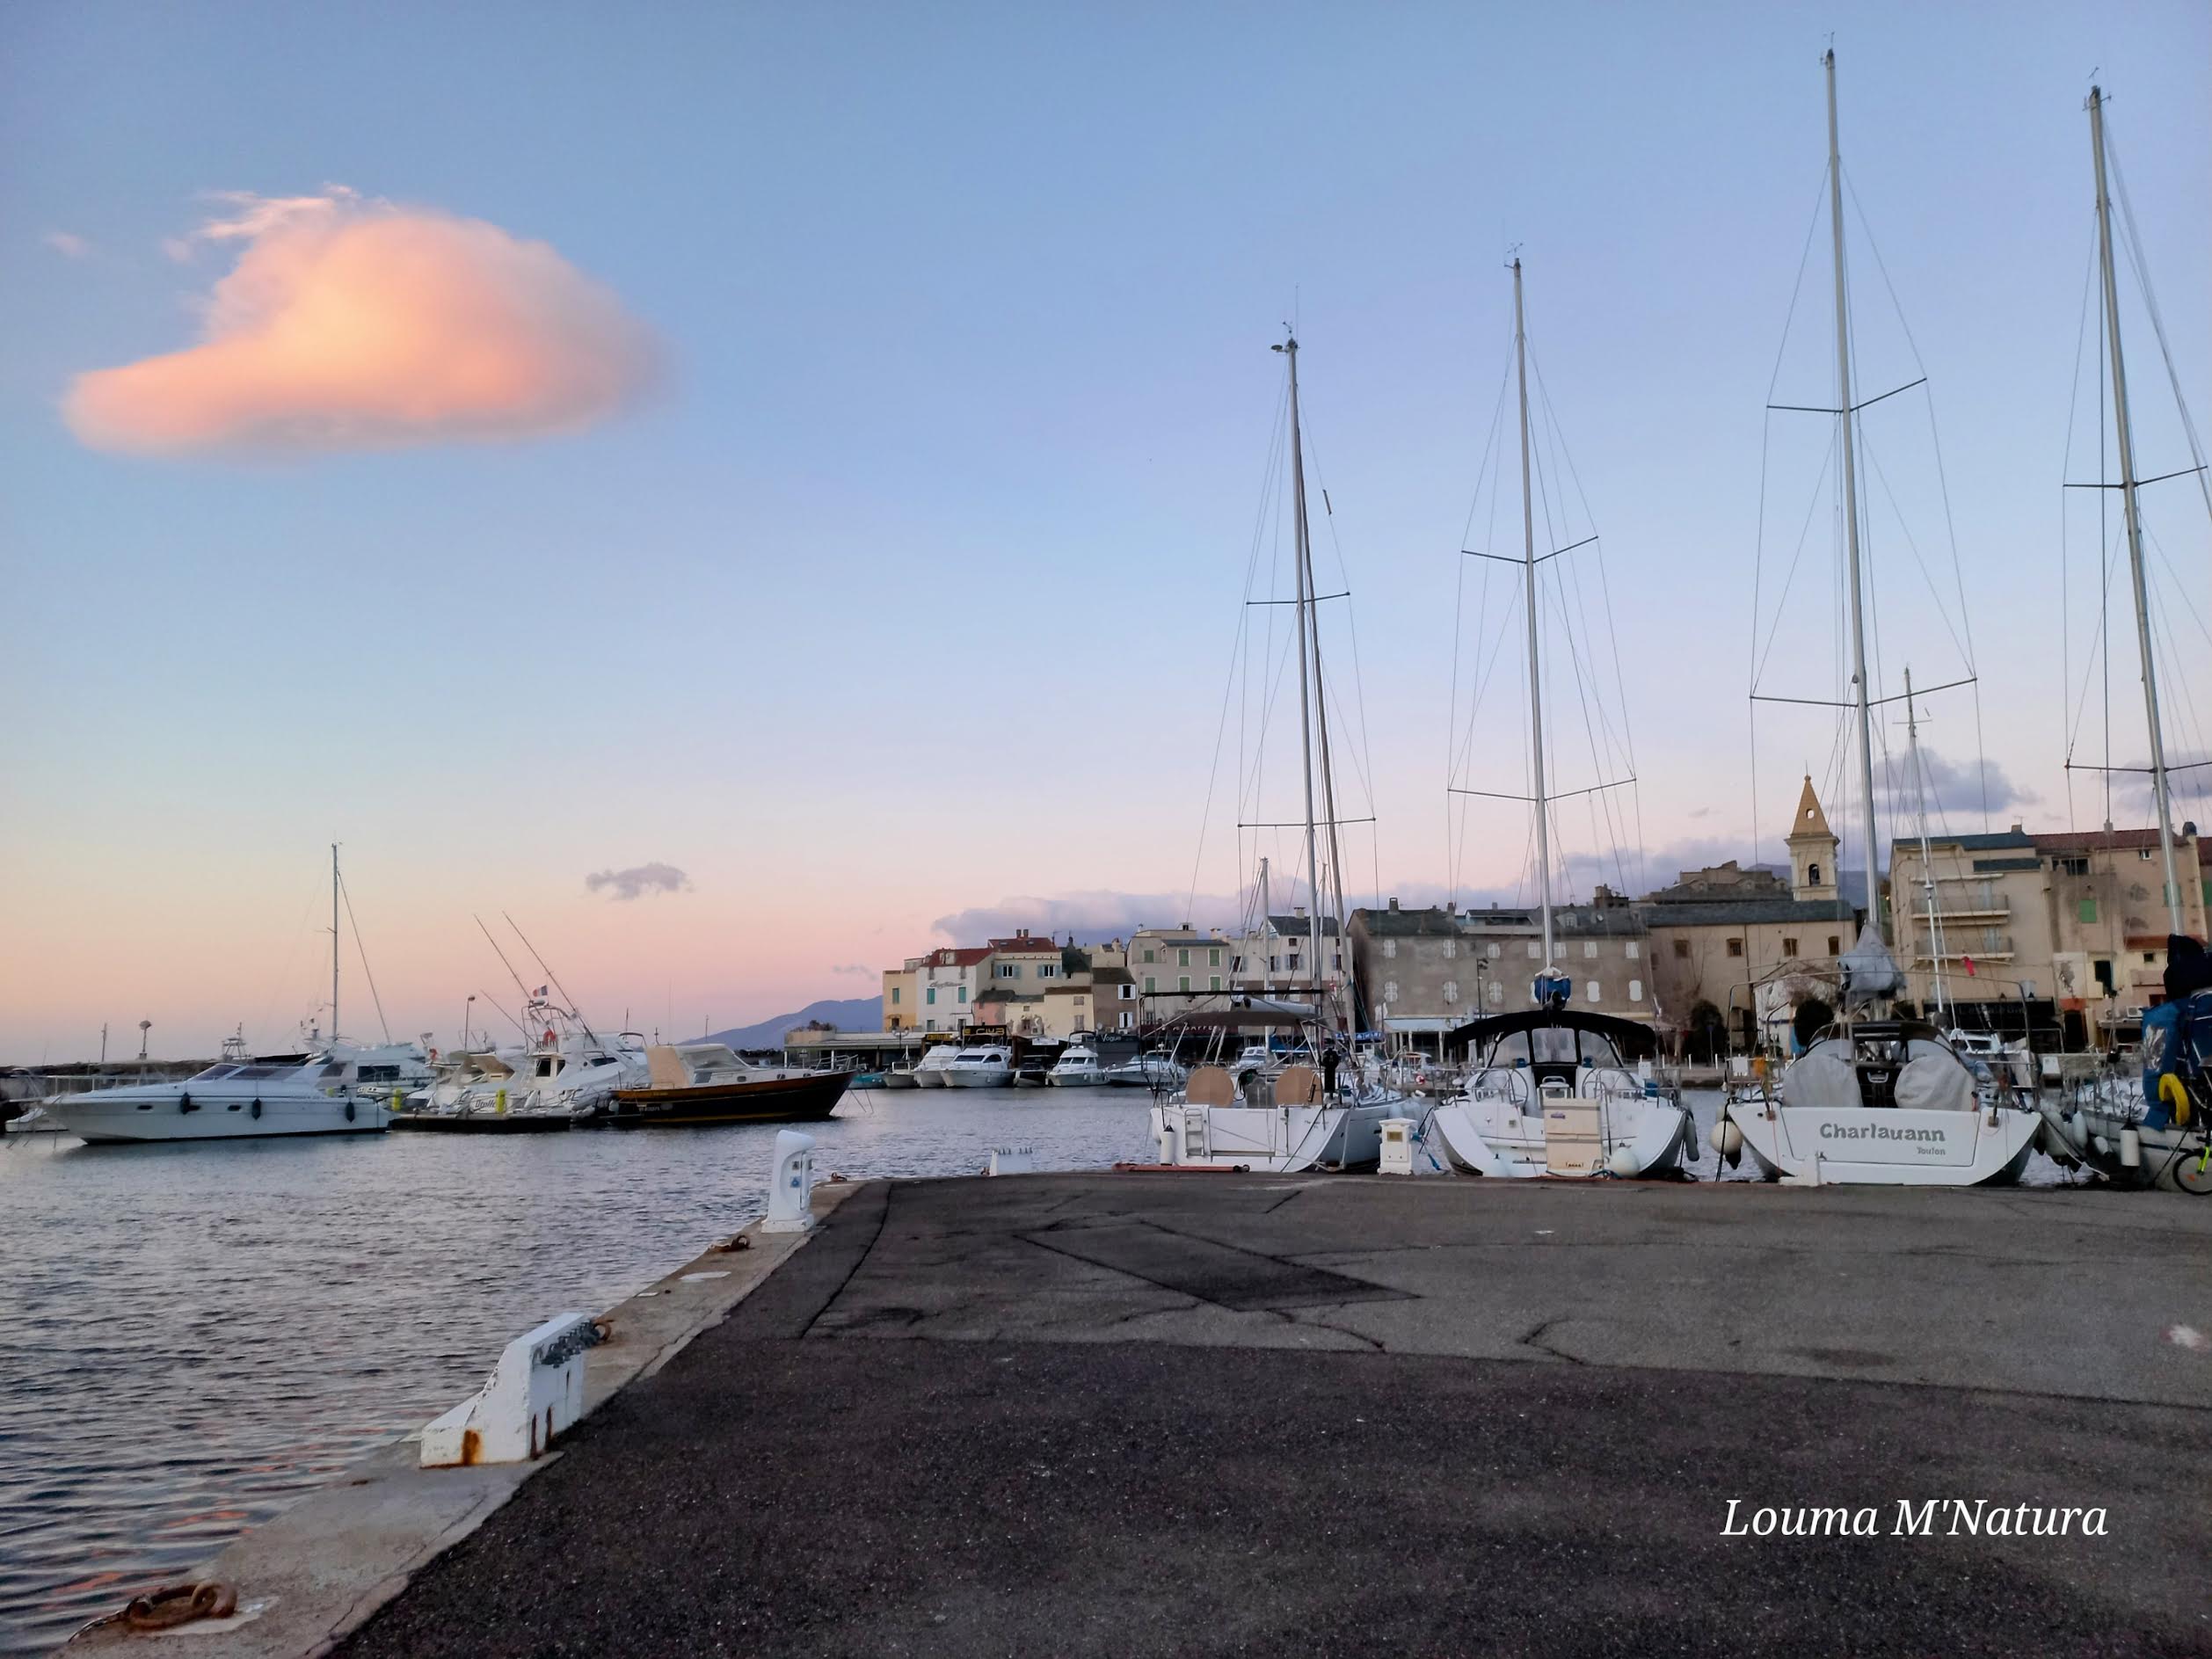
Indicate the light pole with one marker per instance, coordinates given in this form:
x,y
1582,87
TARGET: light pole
x,y
467,1016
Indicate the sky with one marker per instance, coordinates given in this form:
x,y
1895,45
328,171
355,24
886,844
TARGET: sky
x,y
753,493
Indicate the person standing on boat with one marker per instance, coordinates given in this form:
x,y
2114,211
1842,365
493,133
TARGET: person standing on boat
x,y
1332,1057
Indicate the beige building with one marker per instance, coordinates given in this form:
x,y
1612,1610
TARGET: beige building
x,y
949,982
1176,969
2076,920
901,995
1746,945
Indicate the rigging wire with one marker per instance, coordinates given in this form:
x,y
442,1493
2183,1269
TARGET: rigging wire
x,y
361,950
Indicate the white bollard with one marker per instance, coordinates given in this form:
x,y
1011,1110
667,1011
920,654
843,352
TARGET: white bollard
x,y
790,1183
1013,1161
535,1392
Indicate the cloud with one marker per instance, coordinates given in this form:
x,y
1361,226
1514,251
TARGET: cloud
x,y
348,324
859,968
1090,916
1953,786
2189,789
67,244
640,879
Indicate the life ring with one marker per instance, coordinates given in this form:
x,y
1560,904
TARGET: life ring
x,y
256,1105
550,1038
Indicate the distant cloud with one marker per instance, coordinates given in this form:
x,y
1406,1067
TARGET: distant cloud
x,y
859,968
2190,790
1953,786
349,323
639,880
67,244
1090,916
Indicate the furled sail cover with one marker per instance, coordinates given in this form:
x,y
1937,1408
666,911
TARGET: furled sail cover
x,y
1822,1077
1934,1082
1869,974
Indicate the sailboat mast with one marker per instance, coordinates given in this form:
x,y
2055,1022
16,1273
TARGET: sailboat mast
x,y
1304,676
1873,923
1927,863
2135,523
334,952
1535,676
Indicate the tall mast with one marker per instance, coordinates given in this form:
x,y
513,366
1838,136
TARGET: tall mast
x,y
1927,863
1304,679
2134,522
1535,678
334,953
1873,924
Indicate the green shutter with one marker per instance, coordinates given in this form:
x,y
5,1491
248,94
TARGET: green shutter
x,y
2087,910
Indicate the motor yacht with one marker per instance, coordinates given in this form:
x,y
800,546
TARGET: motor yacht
x,y
1156,1069
1551,1092
344,1089
929,1071
989,1066
1077,1067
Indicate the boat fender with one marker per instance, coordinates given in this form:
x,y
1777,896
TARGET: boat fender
x,y
1727,1139
349,1111
184,1103
256,1105
2130,1149
2176,1095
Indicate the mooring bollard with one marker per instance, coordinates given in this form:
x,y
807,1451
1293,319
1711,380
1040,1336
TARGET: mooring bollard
x,y
790,1183
535,1392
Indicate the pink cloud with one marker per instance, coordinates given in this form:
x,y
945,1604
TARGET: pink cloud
x,y
353,324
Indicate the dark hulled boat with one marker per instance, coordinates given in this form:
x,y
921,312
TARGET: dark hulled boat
x,y
684,1091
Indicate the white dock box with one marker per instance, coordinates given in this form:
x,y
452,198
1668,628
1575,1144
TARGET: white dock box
x,y
1397,1145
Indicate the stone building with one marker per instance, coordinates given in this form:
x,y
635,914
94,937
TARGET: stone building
x,y
2057,923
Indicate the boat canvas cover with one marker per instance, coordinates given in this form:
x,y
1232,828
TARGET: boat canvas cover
x,y
1932,1078
1870,974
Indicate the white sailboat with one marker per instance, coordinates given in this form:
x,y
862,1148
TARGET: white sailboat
x,y
1299,1121
1876,1100
1550,1094
2158,1133
333,1089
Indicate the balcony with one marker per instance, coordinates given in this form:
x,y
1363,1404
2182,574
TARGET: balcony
x,y
1957,951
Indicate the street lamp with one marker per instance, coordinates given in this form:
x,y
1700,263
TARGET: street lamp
x,y
467,1016
144,1026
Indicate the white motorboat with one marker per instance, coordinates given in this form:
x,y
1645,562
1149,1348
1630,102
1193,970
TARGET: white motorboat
x,y
1552,1094
1155,1069
342,1090
568,1074
1077,1067
989,1066
929,1071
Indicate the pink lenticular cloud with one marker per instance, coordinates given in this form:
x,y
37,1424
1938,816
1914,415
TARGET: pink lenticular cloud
x,y
349,324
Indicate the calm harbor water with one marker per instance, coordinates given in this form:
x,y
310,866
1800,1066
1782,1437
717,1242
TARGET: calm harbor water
x,y
198,1335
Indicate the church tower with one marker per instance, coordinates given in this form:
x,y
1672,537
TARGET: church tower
x,y
1812,845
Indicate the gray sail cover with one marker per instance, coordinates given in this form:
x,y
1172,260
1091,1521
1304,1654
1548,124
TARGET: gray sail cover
x,y
1869,974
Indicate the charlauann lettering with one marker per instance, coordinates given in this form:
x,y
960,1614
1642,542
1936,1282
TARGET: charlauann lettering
x,y
1928,1517
1877,1131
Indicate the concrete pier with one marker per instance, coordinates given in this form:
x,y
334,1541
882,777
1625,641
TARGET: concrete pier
x,y
1120,1415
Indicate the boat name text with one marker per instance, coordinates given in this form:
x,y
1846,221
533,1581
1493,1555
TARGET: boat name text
x,y
1929,1517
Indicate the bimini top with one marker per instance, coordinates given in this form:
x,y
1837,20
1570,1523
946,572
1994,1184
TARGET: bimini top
x,y
1634,1042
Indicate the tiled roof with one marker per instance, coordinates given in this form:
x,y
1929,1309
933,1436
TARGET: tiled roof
x,y
1302,926
1029,945
958,956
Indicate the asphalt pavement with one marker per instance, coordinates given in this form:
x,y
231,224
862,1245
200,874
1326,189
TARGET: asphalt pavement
x,y
1135,1414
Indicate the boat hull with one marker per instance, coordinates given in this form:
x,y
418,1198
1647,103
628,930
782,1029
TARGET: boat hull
x,y
211,1117
484,1123
977,1079
1886,1145
2169,1159
781,1100
1654,1133
1276,1139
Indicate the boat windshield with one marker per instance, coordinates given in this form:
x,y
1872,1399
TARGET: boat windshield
x,y
215,1071
1554,1045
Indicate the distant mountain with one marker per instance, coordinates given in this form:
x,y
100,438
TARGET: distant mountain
x,y
854,1014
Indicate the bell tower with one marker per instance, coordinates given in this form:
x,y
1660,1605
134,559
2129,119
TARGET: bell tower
x,y
1812,845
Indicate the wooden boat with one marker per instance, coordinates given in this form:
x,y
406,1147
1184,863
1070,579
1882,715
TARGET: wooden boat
x,y
691,1088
